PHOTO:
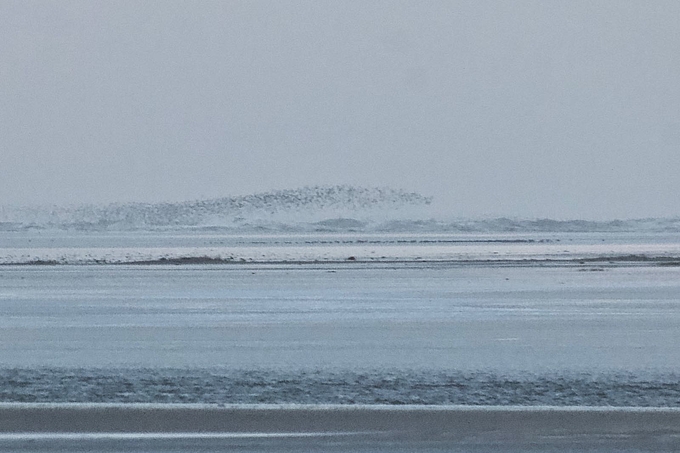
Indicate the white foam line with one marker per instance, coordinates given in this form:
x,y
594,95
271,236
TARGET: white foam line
x,y
166,435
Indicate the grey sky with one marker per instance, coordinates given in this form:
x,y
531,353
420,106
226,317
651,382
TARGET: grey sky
x,y
529,108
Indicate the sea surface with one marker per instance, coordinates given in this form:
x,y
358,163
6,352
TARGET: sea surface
x,y
351,318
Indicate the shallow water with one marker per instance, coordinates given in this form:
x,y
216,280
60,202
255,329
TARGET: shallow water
x,y
300,317
455,331
219,386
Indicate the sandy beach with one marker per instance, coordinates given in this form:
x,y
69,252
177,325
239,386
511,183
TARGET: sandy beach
x,y
344,428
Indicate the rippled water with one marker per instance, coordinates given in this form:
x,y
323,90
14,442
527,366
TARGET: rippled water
x,y
342,387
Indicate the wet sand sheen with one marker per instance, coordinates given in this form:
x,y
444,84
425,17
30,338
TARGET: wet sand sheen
x,y
646,429
498,319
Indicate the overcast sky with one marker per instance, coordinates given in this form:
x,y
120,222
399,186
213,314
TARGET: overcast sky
x,y
563,109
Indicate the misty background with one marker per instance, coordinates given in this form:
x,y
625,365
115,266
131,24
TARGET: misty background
x,y
515,108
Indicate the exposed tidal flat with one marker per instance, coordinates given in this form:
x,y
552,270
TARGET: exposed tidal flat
x,y
416,326
335,428
319,428
208,247
579,322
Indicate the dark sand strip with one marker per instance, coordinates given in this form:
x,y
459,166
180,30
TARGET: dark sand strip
x,y
642,429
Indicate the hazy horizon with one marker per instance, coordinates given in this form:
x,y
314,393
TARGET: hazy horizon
x,y
522,109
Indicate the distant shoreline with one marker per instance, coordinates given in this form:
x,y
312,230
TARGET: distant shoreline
x,y
585,264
